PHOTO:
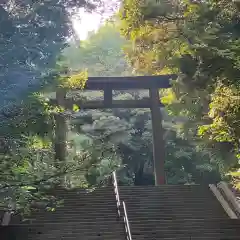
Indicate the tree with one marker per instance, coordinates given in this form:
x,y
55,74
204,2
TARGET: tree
x,y
27,159
199,41
101,53
32,36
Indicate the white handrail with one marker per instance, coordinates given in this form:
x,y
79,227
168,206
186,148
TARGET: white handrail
x,y
222,201
229,195
125,216
115,184
126,222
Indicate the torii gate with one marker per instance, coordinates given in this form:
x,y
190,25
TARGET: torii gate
x,y
108,84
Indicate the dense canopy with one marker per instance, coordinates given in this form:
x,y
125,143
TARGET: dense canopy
x,y
196,40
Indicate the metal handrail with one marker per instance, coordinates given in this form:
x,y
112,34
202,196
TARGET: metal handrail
x,y
125,216
229,197
222,201
126,222
115,184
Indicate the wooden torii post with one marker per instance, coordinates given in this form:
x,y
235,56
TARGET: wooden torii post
x,y
108,84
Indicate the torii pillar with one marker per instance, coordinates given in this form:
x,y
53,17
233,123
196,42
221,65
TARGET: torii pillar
x,y
158,142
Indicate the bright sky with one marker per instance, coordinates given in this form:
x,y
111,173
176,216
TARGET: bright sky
x,y
85,22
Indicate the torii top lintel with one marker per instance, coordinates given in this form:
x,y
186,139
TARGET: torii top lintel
x,y
133,82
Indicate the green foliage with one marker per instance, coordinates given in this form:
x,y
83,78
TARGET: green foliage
x,y
200,42
27,159
101,54
32,33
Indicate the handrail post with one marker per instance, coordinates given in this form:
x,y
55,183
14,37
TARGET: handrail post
x,y
6,219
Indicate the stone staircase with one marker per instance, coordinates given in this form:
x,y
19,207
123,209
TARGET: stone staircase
x,y
166,212
177,212
90,216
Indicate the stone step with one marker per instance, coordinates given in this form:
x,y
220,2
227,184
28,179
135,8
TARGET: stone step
x,y
71,227
170,218
114,237
173,209
64,230
78,229
76,209
131,207
69,217
160,218
83,195
187,238
71,224
167,207
72,216
159,197
86,215
83,198
161,205
83,206
163,190
199,222
79,236
63,219
96,218
167,193
42,219
79,209
79,233
195,192
77,203
189,215
80,198
88,205
168,186
167,198
193,214
145,238
73,237
170,211
177,235
81,190
181,229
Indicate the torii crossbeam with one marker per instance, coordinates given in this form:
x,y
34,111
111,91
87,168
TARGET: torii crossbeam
x,y
108,84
